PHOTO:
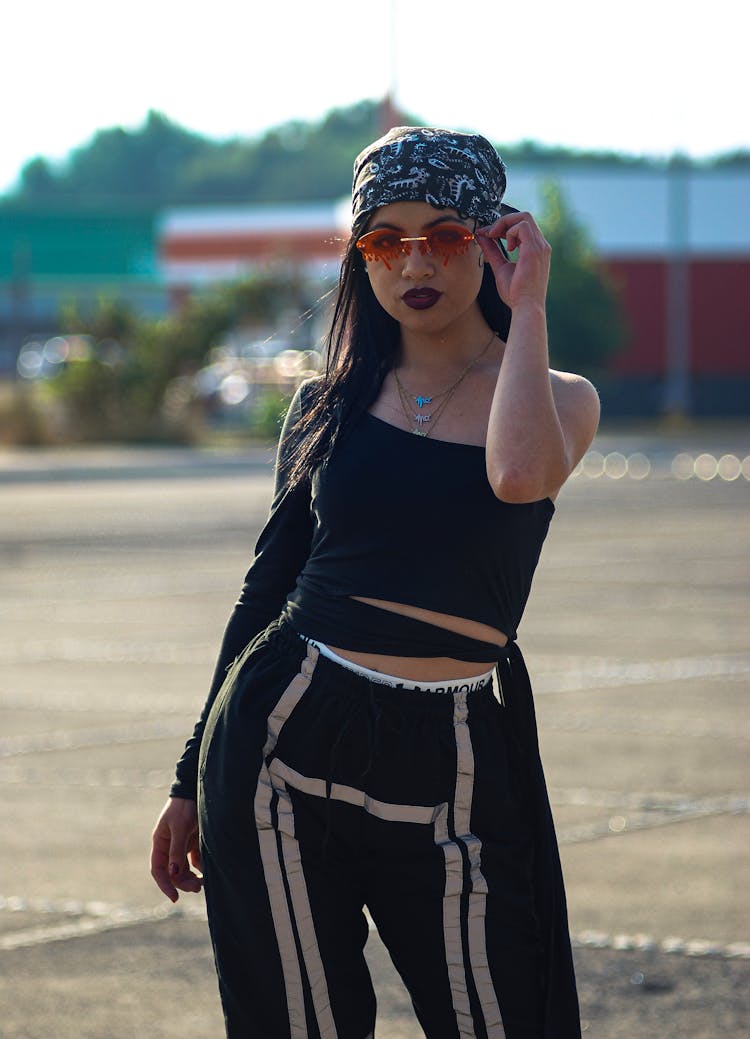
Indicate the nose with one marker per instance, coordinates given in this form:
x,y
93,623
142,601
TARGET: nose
x,y
418,264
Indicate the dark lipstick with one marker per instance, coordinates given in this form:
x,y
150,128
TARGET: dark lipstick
x,y
421,299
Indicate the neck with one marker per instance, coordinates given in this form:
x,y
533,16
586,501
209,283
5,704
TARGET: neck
x,y
449,350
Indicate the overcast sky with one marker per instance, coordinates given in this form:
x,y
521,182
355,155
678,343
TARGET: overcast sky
x,y
646,76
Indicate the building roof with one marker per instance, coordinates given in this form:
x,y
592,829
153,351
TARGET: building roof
x,y
627,213
646,212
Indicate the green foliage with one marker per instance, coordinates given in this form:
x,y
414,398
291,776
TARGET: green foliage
x,y
144,165
268,415
116,388
106,391
586,325
161,163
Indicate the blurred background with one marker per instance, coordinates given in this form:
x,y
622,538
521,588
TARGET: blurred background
x,y
175,199
173,205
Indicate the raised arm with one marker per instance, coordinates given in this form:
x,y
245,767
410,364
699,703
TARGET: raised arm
x,y
541,422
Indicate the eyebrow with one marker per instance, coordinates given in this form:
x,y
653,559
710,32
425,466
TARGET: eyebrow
x,y
432,223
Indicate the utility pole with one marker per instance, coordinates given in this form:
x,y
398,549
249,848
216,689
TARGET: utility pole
x,y
676,401
389,114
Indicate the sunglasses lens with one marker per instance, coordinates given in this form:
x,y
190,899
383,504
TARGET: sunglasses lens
x,y
387,245
383,245
449,240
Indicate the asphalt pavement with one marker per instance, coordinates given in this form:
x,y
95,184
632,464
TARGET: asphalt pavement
x,y
119,567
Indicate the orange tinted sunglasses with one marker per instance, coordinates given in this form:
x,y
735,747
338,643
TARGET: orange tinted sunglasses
x,y
445,241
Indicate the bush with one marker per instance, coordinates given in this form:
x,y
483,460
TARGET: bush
x,y
586,323
119,388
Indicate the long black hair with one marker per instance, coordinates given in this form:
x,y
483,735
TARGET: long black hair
x,y
361,347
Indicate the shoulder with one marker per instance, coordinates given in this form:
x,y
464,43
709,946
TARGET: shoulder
x,y
570,390
301,402
307,392
578,409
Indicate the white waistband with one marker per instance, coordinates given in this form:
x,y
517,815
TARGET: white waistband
x,y
445,685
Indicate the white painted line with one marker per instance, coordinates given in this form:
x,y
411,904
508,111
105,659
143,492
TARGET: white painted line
x,y
105,652
699,947
98,778
730,804
98,917
75,739
92,918
582,675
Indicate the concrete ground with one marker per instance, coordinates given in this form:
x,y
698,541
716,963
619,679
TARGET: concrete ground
x,y
118,571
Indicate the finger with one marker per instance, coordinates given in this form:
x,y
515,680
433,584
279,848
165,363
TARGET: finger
x,y
179,841
195,859
492,249
160,873
501,226
181,846
188,881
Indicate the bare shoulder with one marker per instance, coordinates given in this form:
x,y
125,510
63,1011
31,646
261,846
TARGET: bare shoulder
x,y
567,383
578,408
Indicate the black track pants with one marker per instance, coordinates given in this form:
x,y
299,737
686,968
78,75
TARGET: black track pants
x,y
322,793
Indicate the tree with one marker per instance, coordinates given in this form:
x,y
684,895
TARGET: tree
x,y
38,179
586,325
115,386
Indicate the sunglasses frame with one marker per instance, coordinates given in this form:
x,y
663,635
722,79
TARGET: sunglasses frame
x,y
404,249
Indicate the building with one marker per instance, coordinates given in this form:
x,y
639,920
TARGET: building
x,y
676,242
675,239
51,257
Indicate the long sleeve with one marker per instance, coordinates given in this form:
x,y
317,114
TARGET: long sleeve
x,y
280,555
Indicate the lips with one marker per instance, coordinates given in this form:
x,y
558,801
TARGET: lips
x,y
421,299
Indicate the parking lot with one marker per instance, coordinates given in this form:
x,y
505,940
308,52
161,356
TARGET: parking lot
x,y
118,571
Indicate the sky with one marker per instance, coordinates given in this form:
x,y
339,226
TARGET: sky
x,y
643,77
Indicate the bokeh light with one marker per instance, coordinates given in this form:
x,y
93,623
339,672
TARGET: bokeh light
x,y
729,467
639,467
683,466
706,467
593,464
615,465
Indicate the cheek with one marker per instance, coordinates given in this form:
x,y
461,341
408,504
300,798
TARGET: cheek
x,y
381,283
470,276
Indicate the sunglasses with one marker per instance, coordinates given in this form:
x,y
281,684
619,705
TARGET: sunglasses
x,y
444,241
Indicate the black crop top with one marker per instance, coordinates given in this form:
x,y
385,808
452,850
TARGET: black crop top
x,y
413,520
391,516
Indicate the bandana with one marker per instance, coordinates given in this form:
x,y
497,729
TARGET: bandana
x,y
446,168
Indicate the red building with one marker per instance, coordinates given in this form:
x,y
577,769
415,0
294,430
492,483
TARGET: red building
x,y
676,241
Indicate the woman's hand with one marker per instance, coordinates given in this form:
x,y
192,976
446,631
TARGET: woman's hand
x,y
526,279
174,848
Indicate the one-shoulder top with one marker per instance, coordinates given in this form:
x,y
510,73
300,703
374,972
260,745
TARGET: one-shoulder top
x,y
412,520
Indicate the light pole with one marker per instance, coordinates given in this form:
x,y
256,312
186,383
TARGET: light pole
x,y
676,399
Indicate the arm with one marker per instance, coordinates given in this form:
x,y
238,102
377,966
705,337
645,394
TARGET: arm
x,y
540,422
280,555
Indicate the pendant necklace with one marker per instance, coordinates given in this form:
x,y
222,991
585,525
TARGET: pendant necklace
x,y
422,418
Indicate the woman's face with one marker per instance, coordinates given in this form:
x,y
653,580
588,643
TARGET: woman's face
x,y
421,290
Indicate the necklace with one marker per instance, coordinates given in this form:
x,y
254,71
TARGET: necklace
x,y
422,418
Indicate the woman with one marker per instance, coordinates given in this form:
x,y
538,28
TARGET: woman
x,y
369,737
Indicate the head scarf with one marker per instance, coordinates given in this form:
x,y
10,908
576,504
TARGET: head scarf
x,y
446,168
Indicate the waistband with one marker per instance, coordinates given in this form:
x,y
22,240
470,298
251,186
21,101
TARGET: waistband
x,y
446,685
346,682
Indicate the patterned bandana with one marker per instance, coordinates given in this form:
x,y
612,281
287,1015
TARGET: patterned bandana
x,y
446,168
